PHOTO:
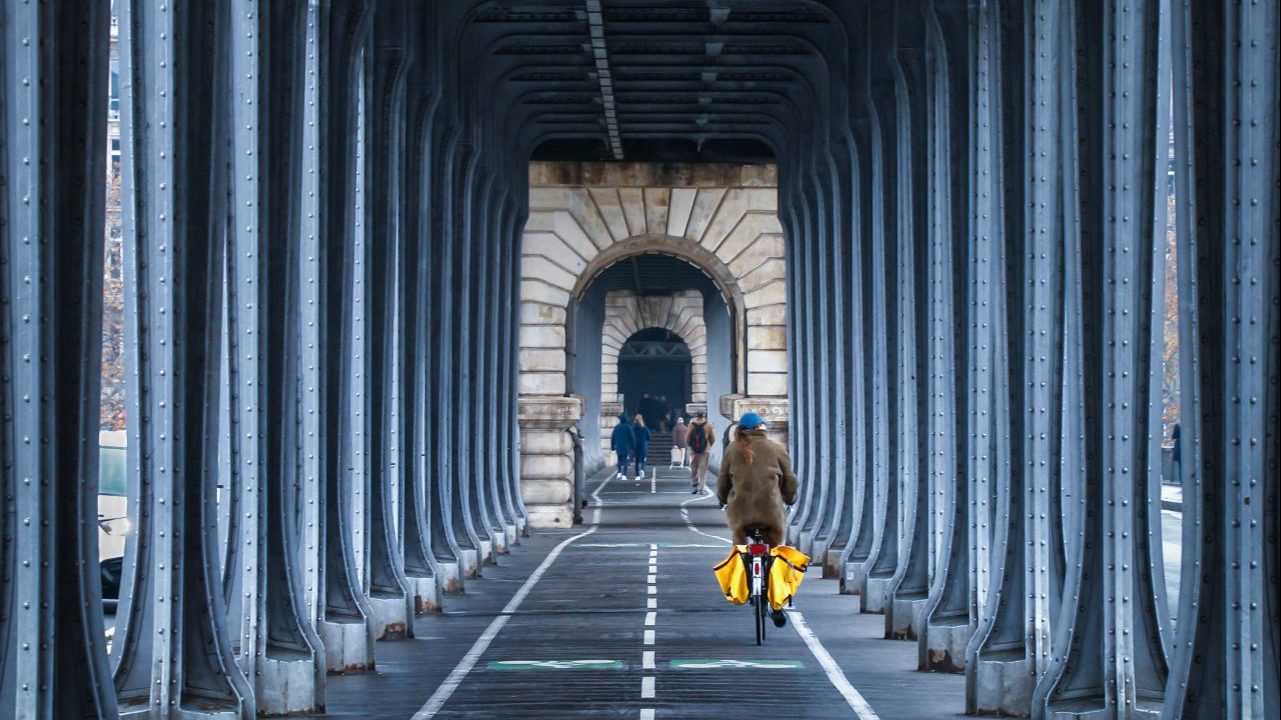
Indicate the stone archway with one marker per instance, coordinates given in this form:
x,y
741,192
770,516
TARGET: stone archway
x,y
586,217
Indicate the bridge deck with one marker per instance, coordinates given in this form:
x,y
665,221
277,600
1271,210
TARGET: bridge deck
x,y
592,603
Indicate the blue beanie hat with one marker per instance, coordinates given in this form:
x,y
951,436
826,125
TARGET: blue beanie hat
x,y
751,421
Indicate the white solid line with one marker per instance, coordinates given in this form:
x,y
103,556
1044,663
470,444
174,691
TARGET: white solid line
x,y
834,672
647,714
647,688
649,637
652,604
691,526
650,617
647,659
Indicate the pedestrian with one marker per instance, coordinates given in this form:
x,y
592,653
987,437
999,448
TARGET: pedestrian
x,y
755,482
680,437
700,438
622,441
1176,465
640,447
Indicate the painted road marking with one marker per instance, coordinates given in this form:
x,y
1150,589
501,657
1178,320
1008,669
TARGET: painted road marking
x,y
647,714
649,637
665,545
651,603
834,673
690,524
556,665
654,578
710,664
650,617
647,688
647,659
653,590
478,648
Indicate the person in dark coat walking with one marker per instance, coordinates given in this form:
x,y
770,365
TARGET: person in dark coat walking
x,y
640,438
622,441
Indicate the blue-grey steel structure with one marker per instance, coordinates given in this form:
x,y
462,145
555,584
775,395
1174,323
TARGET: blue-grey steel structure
x,y
975,206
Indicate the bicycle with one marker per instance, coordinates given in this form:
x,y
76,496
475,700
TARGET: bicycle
x,y
757,559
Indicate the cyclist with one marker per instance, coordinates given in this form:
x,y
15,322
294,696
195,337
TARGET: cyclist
x,y
754,484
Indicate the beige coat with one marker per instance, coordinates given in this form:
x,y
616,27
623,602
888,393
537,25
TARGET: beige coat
x,y
754,494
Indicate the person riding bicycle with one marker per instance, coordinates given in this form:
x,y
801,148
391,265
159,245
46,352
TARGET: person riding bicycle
x,y
755,482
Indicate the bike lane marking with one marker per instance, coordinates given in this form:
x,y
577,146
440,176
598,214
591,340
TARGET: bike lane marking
x,y
729,664
555,665
478,648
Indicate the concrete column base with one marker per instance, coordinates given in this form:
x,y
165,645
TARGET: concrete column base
x,y
390,618
348,646
286,687
547,459
876,594
945,642
854,578
469,562
831,562
1002,684
903,621
486,554
449,576
510,533
426,594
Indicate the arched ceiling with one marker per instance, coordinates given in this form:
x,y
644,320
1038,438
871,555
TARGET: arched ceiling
x,y
729,80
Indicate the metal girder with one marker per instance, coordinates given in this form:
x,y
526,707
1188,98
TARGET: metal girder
x,y
53,660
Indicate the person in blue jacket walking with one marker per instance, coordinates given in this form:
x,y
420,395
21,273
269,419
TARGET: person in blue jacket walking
x,y
622,442
640,449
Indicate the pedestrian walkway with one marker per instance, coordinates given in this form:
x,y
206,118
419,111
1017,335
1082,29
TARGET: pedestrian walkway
x,y
622,618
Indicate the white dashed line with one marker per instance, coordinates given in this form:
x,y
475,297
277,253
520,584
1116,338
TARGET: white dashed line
x,y
653,590
647,714
653,579
647,660
649,637
650,617
652,604
647,688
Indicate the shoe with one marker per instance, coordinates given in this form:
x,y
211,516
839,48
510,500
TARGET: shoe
x,y
694,491
778,617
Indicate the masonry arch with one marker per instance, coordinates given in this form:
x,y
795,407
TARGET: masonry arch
x,y
587,220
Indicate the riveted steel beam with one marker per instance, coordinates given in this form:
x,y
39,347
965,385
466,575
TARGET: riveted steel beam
x,y
947,611
346,624
53,660
177,650
385,60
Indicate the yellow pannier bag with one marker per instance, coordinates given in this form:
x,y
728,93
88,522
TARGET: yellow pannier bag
x,y
733,576
785,574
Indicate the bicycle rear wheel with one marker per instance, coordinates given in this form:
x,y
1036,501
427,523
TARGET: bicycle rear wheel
x,y
758,611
